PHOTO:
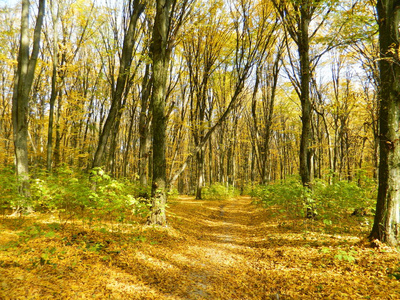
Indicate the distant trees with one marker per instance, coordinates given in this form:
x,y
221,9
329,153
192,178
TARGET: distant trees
x,y
185,93
63,48
242,108
297,17
202,50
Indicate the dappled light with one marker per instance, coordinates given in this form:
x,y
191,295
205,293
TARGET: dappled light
x,y
227,249
191,149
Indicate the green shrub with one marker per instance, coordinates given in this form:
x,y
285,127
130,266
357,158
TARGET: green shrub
x,y
218,191
173,194
343,197
289,195
86,195
328,201
9,197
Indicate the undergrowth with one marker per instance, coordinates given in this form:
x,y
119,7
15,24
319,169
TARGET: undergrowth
x,y
72,194
328,202
219,191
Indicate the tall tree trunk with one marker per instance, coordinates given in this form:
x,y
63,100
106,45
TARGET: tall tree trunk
x,y
210,162
125,161
53,95
306,132
386,222
144,123
160,53
120,89
57,146
22,86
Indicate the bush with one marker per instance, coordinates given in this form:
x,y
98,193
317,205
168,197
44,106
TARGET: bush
x,y
329,201
86,195
343,197
9,196
173,194
218,191
289,195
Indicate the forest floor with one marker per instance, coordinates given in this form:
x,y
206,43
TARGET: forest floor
x,y
228,249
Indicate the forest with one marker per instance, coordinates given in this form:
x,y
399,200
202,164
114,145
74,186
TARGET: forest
x,y
245,149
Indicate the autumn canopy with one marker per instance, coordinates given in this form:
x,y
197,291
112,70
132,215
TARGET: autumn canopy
x,y
192,149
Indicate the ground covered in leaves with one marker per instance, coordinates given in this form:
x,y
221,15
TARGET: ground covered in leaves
x,y
228,249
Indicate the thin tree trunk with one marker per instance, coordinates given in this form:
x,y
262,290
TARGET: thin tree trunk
x,y
125,161
53,95
200,173
57,146
122,79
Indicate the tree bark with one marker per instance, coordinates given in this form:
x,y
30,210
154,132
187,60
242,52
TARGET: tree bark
x,y
54,91
144,132
200,173
160,54
303,49
22,86
386,222
119,90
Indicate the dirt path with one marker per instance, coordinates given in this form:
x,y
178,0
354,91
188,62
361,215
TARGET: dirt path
x,y
228,259
226,237
220,230
241,251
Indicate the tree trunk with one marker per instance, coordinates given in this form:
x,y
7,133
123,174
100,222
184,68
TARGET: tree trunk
x,y
386,222
303,48
144,123
125,161
53,95
22,86
160,53
200,173
121,86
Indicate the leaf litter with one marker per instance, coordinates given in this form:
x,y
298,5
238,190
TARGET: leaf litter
x,y
228,249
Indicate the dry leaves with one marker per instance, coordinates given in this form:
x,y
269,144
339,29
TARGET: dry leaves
x,y
211,250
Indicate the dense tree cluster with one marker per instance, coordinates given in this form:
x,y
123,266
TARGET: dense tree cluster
x,y
185,93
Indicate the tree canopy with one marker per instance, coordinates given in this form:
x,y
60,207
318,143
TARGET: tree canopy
x,y
187,95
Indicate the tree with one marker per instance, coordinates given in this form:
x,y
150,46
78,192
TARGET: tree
x,y
160,53
267,75
144,126
297,17
61,61
202,50
386,221
22,87
251,36
8,42
119,88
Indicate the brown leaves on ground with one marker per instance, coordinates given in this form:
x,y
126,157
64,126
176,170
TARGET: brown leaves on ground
x,y
227,249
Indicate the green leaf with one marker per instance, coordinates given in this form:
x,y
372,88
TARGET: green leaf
x,y
50,234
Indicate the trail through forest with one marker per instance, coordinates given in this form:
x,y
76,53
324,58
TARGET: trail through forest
x,y
228,249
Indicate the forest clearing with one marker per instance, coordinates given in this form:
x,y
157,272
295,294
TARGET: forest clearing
x,y
213,249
